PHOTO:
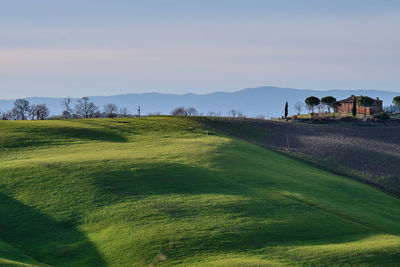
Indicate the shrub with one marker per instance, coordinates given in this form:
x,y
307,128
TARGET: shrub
x,y
382,116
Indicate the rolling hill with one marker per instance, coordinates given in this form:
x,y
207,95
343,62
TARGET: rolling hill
x,y
369,152
169,191
267,101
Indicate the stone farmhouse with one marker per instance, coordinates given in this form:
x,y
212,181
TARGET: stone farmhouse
x,y
346,105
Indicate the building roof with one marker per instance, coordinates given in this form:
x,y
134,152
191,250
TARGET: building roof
x,y
351,99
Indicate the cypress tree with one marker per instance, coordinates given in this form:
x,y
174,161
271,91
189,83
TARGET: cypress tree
x,y
286,109
354,109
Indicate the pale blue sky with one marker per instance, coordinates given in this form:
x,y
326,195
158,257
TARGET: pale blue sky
x,y
98,47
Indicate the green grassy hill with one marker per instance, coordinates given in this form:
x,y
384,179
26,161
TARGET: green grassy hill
x,y
160,191
365,151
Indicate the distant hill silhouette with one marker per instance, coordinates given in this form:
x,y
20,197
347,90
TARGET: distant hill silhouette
x,y
267,101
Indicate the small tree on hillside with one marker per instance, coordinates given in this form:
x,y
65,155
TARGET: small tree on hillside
x,y
85,109
233,112
396,101
21,109
40,112
298,107
354,109
311,102
123,112
329,101
179,111
67,113
191,111
365,102
286,109
111,110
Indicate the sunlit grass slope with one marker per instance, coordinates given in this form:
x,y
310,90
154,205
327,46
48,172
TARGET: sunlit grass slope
x,y
160,191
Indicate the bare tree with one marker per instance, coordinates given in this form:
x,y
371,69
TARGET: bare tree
x,y
8,115
298,106
191,111
179,111
111,110
21,109
43,111
67,113
32,112
233,113
40,112
85,109
123,112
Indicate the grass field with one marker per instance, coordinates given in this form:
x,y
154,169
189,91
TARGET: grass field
x,y
160,191
368,152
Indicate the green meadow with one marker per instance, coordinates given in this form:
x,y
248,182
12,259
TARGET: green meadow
x,y
163,191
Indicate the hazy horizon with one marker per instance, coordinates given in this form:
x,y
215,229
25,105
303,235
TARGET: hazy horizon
x,y
61,48
186,93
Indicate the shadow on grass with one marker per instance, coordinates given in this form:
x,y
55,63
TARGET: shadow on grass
x,y
252,222
42,238
169,178
368,155
44,136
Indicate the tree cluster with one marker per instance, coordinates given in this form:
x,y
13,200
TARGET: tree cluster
x,y
86,109
23,110
83,108
182,111
236,113
328,102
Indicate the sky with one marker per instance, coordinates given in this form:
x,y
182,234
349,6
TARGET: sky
x,y
98,47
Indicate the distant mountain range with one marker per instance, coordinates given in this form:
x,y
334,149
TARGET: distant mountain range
x,y
267,101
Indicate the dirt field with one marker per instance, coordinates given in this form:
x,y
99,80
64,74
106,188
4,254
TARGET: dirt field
x,y
365,151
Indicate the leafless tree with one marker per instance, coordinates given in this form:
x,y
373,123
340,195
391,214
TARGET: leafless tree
x,y
123,112
191,111
298,106
40,112
111,110
179,111
21,109
233,112
67,113
85,109
8,115
32,112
